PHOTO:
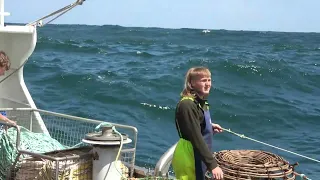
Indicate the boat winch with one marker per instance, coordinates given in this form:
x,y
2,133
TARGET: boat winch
x,y
107,144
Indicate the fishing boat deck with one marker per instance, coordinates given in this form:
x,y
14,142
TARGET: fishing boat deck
x,y
69,132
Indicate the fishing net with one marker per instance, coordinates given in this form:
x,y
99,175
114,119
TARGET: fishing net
x,y
253,164
29,141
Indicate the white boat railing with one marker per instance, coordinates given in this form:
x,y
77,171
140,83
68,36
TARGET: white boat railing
x,y
164,163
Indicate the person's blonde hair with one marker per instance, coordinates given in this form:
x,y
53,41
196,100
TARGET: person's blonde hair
x,y
4,60
193,74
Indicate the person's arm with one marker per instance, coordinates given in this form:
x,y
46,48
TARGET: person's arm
x,y
5,119
189,125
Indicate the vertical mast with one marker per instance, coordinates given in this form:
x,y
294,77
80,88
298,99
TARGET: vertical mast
x,y
2,13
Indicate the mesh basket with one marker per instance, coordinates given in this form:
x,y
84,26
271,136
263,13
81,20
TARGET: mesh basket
x,y
65,164
253,164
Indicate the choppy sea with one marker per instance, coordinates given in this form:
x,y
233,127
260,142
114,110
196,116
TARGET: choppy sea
x,y
266,85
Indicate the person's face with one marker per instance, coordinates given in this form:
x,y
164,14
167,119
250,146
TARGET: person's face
x,y
202,85
2,70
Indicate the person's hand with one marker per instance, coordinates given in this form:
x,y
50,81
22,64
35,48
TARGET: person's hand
x,y
216,128
11,122
5,119
217,173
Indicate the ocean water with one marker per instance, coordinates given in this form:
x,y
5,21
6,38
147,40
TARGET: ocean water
x,y
266,85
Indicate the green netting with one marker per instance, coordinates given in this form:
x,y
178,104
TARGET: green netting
x,y
29,141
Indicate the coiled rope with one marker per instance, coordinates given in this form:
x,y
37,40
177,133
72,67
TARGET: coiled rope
x,y
302,176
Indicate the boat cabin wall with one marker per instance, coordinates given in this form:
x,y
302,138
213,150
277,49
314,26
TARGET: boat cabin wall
x,y
18,42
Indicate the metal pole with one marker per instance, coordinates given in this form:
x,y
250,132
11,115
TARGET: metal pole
x,y
1,13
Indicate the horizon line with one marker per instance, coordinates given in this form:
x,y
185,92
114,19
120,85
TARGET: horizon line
x,y
213,29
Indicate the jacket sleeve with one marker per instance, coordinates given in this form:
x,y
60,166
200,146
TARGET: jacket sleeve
x,y
187,117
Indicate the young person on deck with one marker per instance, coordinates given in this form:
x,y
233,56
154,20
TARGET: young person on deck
x,y
193,157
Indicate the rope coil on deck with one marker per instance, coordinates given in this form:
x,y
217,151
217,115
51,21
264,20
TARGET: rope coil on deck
x,y
302,176
250,164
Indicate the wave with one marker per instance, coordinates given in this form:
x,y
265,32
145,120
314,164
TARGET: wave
x,y
265,85
66,46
